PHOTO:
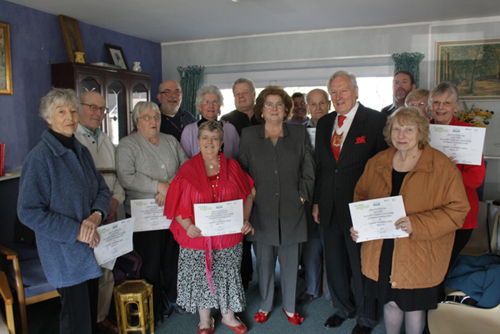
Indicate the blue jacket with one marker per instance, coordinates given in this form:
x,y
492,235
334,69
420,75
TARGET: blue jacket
x,y
57,191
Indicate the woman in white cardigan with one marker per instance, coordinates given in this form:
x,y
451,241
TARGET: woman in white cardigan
x,y
146,162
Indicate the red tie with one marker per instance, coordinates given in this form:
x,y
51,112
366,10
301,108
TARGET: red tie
x,y
337,139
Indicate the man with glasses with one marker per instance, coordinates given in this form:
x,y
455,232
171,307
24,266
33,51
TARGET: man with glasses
x,y
173,119
103,152
299,112
402,84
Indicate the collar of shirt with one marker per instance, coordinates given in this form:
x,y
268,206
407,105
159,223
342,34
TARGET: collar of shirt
x,y
98,132
347,121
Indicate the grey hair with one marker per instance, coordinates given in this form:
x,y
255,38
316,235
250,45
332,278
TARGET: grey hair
x,y
211,126
56,96
208,89
244,80
337,74
327,97
444,87
140,107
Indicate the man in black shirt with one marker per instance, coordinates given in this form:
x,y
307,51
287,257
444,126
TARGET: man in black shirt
x,y
244,99
173,119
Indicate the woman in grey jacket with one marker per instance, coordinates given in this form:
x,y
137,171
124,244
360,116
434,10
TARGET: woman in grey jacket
x,y
278,156
146,163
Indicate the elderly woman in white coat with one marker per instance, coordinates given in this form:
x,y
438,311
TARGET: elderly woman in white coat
x,y
146,163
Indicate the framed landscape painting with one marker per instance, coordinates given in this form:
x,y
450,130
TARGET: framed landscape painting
x,y
5,60
473,66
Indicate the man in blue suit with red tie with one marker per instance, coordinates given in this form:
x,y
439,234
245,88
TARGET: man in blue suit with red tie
x,y
345,140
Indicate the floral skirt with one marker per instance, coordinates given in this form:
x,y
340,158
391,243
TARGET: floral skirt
x,y
193,291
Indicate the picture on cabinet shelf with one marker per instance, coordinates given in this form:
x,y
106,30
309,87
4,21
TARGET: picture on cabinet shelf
x,y
5,60
117,56
72,38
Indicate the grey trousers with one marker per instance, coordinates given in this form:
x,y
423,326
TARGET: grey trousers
x,y
288,257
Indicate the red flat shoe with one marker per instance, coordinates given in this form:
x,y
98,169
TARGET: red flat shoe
x,y
261,317
240,329
296,319
207,330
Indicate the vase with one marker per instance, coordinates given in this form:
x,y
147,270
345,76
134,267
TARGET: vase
x,y
79,57
137,66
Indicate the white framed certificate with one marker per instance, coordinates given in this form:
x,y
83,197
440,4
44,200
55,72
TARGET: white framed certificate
x,y
464,143
148,215
219,218
116,240
374,219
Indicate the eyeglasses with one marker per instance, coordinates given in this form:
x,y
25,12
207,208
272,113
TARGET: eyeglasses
x,y
206,102
150,118
171,92
271,105
419,105
94,108
445,104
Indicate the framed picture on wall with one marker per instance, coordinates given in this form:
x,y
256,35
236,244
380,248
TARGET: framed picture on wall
x,y
5,60
473,66
117,56
71,35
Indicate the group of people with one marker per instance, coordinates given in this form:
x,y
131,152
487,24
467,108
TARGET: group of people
x,y
295,174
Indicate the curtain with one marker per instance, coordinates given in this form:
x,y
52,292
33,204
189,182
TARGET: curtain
x,y
409,61
191,81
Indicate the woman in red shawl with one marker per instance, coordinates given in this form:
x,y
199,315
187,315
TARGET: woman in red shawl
x,y
209,267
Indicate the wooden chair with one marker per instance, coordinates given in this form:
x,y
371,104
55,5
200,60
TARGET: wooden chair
x,y
29,281
9,301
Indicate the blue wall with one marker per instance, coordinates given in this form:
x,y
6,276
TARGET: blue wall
x,y
36,42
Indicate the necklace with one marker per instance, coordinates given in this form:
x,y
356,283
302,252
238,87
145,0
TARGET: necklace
x,y
211,166
216,184
275,139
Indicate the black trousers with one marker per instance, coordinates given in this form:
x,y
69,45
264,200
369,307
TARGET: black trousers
x,y
79,308
160,255
343,264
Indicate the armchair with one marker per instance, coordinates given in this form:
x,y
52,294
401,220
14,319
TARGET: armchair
x,y
8,300
28,279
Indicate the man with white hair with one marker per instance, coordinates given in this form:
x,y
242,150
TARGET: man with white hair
x,y
345,140
173,118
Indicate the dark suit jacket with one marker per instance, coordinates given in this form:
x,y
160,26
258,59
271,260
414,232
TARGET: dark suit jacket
x,y
335,181
283,174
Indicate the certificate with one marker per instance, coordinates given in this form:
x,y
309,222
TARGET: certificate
x,y
116,240
312,135
464,143
219,218
148,215
375,218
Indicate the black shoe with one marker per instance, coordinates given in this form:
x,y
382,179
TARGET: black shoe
x,y
334,321
178,309
361,329
305,298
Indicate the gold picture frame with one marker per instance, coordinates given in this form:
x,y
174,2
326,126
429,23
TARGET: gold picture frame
x,y
72,38
473,66
5,60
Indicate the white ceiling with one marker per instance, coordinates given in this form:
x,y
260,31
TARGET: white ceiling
x,y
182,20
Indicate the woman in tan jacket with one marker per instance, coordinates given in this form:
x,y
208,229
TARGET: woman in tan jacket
x,y
404,273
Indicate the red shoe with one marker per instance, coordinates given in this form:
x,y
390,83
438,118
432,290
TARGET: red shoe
x,y
240,329
296,319
207,330
261,317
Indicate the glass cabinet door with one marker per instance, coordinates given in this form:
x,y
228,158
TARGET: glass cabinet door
x,y
116,119
88,84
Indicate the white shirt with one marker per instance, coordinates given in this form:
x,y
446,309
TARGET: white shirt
x,y
344,130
